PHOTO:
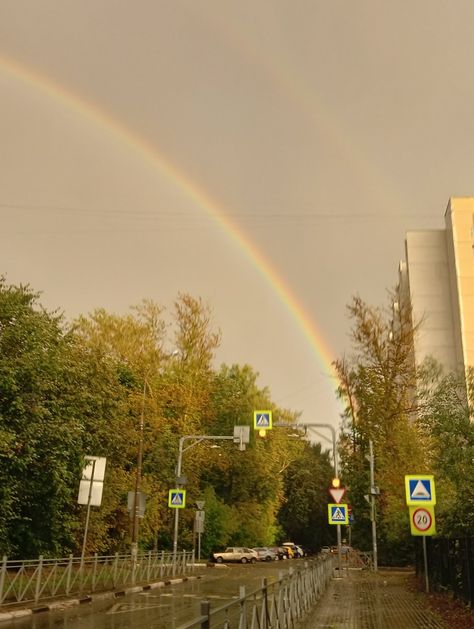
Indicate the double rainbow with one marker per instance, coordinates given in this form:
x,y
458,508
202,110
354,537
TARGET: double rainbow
x,y
102,119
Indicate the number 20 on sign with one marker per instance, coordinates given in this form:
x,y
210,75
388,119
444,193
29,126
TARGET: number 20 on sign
x,y
422,520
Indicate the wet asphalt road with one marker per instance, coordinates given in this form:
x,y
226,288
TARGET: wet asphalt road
x,y
163,608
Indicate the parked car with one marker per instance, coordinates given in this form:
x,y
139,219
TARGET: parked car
x,y
265,554
295,549
325,550
235,553
282,552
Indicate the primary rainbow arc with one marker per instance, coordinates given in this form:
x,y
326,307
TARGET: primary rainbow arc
x,y
105,121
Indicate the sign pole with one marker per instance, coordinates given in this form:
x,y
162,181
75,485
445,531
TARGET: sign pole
x,y
421,498
425,559
339,550
86,528
372,506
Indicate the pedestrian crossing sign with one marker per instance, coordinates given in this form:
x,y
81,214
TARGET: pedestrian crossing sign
x,y
177,498
338,514
420,489
262,420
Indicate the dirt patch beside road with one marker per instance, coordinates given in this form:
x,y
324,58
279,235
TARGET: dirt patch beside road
x,y
454,612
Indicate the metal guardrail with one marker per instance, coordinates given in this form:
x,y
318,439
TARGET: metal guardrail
x,y
29,581
277,605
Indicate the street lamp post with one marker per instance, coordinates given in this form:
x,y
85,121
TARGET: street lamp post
x,y
336,467
238,437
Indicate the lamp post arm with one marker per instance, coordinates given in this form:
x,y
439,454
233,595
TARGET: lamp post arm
x,y
314,425
196,439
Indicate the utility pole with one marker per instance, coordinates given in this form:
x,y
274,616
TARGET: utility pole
x,y
373,493
138,477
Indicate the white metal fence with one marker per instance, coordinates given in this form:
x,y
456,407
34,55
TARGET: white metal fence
x,y
278,605
29,581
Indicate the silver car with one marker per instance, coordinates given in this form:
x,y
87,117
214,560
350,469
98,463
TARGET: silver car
x,y
265,554
236,553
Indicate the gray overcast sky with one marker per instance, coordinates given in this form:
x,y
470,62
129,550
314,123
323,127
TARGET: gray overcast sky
x,y
323,131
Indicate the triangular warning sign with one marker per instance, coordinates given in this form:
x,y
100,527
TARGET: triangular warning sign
x,y
338,514
262,421
177,499
337,494
420,491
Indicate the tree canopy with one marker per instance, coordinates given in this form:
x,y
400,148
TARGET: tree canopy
x,y
113,385
419,421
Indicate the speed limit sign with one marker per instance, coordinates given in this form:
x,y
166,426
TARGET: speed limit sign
x,y
422,520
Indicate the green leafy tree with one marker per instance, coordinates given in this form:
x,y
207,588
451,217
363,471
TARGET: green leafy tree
x,y
220,522
304,512
378,385
165,395
45,392
127,387
447,419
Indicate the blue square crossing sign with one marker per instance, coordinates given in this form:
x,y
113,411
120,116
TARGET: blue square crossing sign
x,y
420,489
177,498
262,420
338,514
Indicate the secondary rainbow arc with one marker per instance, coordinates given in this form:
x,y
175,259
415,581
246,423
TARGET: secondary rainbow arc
x,y
105,121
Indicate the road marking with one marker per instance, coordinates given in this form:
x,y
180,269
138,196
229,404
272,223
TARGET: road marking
x,y
124,608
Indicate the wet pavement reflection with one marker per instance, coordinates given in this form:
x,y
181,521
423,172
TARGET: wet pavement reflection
x,y
164,608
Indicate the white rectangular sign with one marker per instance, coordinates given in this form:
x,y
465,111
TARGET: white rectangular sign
x,y
96,463
92,481
96,493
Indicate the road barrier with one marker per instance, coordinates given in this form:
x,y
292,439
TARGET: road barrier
x,y
357,559
30,581
277,605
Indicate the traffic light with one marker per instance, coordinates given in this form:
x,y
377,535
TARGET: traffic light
x,y
336,483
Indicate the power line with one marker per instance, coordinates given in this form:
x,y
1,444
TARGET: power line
x,y
253,216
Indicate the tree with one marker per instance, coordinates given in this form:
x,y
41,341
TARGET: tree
x,y
446,417
165,394
378,385
303,514
42,398
251,481
127,387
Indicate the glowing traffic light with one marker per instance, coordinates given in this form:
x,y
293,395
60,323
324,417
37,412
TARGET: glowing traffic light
x,y
336,483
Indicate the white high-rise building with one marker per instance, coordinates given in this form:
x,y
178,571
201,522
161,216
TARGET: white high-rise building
x,y
437,277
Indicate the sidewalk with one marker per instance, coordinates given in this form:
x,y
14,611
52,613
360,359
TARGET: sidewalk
x,y
367,600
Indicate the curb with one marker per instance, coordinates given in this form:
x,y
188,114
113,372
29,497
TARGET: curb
x,y
71,602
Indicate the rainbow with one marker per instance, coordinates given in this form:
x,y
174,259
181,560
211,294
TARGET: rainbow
x,y
286,79
102,119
